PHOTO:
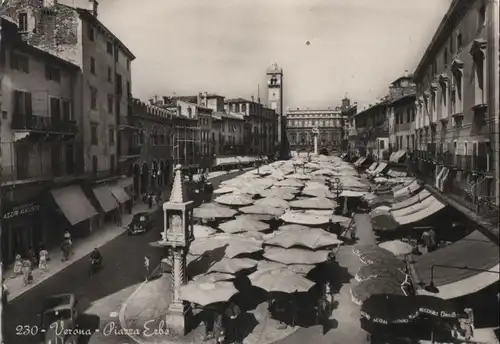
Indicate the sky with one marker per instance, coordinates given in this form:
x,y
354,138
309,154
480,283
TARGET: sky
x,y
356,47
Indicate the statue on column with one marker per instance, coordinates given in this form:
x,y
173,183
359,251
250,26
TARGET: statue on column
x,y
315,132
178,235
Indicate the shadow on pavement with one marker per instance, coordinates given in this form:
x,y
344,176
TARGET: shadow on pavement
x,y
202,264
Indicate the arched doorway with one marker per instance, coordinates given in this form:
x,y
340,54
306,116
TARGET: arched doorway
x,y
136,172
161,178
144,178
154,174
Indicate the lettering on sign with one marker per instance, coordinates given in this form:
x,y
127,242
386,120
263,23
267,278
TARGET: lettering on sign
x,y
25,209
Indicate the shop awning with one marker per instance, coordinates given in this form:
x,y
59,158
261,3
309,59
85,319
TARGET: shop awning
x,y
119,193
105,198
372,166
73,203
126,182
420,197
395,157
380,168
420,215
452,282
415,207
407,190
357,161
226,161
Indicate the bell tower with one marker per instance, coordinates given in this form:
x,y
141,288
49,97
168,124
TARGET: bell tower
x,y
275,96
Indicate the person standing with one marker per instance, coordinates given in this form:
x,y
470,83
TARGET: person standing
x,y
150,201
18,265
425,239
432,240
5,293
232,314
147,269
42,261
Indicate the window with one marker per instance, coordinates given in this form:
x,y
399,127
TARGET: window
x,y
190,112
94,164
482,16
111,136
109,48
459,41
55,109
478,57
22,21
19,62
445,57
118,84
243,107
117,53
90,33
112,163
66,110
93,98
128,64
109,74
22,105
110,103
93,134
92,65
52,73
129,92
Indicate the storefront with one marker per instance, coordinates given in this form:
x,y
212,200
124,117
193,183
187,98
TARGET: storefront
x,y
107,203
21,229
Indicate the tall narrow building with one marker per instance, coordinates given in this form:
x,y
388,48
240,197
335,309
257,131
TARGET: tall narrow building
x,y
275,100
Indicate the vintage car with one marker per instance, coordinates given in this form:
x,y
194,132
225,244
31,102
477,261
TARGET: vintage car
x,y
141,223
59,319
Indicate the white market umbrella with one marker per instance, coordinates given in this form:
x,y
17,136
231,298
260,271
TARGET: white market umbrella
x,y
295,255
324,172
301,269
200,231
259,209
234,245
318,192
314,203
292,227
243,224
397,247
224,190
233,266
234,199
213,277
298,176
313,238
312,166
204,294
304,219
213,211
275,202
352,194
293,183
280,280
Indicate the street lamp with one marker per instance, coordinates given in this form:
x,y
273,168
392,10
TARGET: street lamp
x,y
431,288
337,187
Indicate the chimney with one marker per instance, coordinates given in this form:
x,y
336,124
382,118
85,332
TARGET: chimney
x,y
258,100
252,99
93,5
49,3
406,73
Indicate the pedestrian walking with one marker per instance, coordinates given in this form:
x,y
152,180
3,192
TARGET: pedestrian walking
x,y
425,239
150,201
233,313
219,330
42,261
65,248
18,265
147,268
432,240
27,272
5,293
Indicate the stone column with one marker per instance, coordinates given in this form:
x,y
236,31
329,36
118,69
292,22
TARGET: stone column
x,y
178,311
315,144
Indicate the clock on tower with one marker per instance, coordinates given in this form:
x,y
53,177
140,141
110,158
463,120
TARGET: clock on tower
x,y
275,95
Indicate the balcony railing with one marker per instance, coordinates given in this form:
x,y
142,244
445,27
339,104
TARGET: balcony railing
x,y
44,124
40,170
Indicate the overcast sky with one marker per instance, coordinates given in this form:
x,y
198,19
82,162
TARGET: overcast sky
x,y
356,46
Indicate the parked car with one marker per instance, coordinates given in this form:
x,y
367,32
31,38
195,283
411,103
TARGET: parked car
x,y
141,223
59,319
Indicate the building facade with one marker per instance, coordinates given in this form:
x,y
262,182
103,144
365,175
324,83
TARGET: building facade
x,y
103,87
261,127
151,147
329,122
458,105
402,112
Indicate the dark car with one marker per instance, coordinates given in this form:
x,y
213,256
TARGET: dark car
x,y
59,319
141,223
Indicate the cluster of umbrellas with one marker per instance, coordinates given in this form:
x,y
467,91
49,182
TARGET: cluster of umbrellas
x,y
244,222
381,288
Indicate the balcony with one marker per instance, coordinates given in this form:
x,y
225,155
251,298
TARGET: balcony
x,y
45,125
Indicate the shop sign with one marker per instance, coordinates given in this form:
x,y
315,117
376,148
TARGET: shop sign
x,y
22,210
